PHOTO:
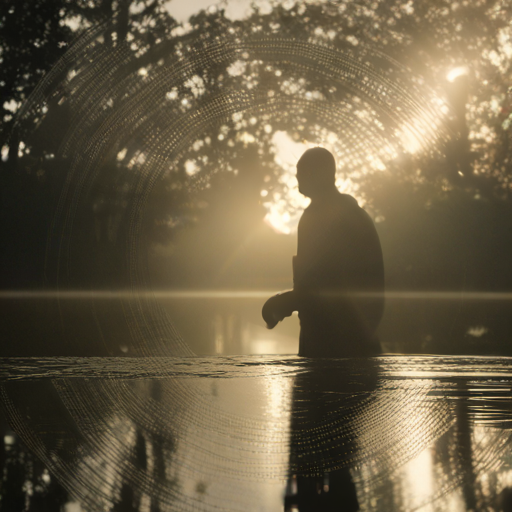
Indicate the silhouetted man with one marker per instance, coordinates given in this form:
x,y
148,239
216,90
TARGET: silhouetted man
x,y
338,272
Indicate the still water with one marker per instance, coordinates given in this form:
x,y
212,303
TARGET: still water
x,y
268,433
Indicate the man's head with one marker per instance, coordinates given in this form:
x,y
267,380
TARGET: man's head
x,y
316,172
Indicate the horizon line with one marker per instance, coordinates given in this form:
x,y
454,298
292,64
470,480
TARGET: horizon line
x,y
240,294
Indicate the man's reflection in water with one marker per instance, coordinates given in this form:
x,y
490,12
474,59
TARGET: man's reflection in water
x,y
333,491
327,400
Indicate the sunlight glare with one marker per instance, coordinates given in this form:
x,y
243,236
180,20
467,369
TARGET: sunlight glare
x,y
182,10
278,391
455,73
410,139
420,478
279,216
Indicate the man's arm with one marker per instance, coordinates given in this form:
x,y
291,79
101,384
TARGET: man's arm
x,y
278,307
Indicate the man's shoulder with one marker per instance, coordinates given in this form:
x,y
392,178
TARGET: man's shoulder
x,y
334,207
347,200
351,212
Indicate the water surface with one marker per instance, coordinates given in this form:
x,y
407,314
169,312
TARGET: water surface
x,y
251,433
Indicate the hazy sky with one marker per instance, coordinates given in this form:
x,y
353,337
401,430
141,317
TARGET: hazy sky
x,y
235,9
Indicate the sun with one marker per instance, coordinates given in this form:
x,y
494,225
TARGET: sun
x,y
284,208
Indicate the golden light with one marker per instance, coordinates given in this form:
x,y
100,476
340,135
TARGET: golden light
x,y
410,139
456,73
419,475
284,210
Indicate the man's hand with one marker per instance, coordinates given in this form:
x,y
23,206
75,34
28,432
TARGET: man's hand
x,y
278,307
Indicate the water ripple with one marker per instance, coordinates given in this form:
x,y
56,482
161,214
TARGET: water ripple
x,y
390,367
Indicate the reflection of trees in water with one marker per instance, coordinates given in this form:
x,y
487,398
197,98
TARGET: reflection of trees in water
x,y
103,454
160,448
355,435
26,483
468,465
473,458
137,444
416,444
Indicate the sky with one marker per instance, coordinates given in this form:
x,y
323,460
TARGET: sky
x,y
181,10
